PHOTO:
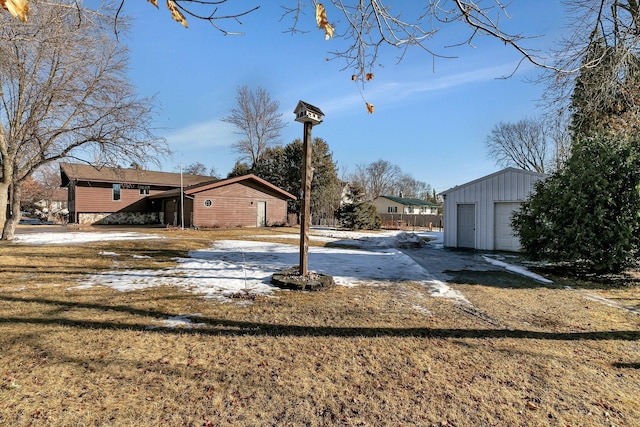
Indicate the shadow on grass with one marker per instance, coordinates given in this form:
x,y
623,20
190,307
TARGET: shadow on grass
x,y
218,327
498,279
560,279
629,279
626,365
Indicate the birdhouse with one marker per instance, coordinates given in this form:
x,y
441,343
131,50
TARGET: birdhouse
x,y
307,113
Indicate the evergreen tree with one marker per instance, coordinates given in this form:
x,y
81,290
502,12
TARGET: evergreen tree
x,y
239,169
587,214
357,214
326,188
282,166
273,166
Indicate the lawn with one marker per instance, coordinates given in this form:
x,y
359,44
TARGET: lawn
x,y
378,354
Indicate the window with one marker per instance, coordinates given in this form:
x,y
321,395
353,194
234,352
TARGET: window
x,y
208,203
116,192
392,209
144,190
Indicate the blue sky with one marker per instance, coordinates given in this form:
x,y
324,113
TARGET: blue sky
x,y
431,118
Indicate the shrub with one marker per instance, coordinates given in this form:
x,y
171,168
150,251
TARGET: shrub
x,y
587,214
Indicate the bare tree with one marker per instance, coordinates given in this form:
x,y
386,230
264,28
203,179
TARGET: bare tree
x,y
198,168
33,191
523,144
257,119
48,176
602,43
64,93
560,136
408,186
382,178
377,178
357,178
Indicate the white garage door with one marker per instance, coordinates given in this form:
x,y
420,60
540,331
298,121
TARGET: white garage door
x,y
504,240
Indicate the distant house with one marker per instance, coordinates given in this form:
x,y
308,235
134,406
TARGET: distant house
x,y
134,196
477,215
409,211
55,205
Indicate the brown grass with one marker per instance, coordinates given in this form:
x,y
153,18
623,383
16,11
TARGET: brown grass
x,y
373,356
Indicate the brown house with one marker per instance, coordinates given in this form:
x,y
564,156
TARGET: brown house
x,y
134,196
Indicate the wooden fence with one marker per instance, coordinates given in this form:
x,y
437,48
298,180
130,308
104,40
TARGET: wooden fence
x,y
389,221
399,221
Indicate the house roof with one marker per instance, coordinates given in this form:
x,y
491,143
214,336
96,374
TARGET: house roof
x,y
408,201
501,172
197,188
308,107
84,172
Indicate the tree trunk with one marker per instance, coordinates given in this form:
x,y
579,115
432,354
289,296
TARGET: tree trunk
x,y
11,222
5,177
4,199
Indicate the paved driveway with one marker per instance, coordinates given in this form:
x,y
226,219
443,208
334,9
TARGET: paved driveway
x,y
440,262
469,266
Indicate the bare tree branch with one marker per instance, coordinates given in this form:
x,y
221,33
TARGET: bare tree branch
x,y
603,44
257,120
523,144
367,26
64,92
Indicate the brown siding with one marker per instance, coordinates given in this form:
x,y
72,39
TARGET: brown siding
x,y
99,198
236,205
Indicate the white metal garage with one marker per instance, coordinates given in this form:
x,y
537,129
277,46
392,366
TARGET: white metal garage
x,y
478,214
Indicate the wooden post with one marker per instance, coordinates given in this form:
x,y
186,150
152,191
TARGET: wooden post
x,y
305,212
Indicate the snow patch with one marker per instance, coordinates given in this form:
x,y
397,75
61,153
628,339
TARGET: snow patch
x,y
442,290
79,237
516,269
181,322
107,253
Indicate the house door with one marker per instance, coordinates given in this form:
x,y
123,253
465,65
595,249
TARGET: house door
x,y
171,212
262,214
466,228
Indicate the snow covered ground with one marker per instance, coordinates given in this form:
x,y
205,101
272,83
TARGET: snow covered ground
x,y
230,267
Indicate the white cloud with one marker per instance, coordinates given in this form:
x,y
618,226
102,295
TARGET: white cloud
x,y
405,88
212,133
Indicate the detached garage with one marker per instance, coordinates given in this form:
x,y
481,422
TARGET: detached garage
x,y
477,215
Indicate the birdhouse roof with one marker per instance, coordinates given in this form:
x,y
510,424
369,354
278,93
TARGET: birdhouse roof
x,y
302,104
